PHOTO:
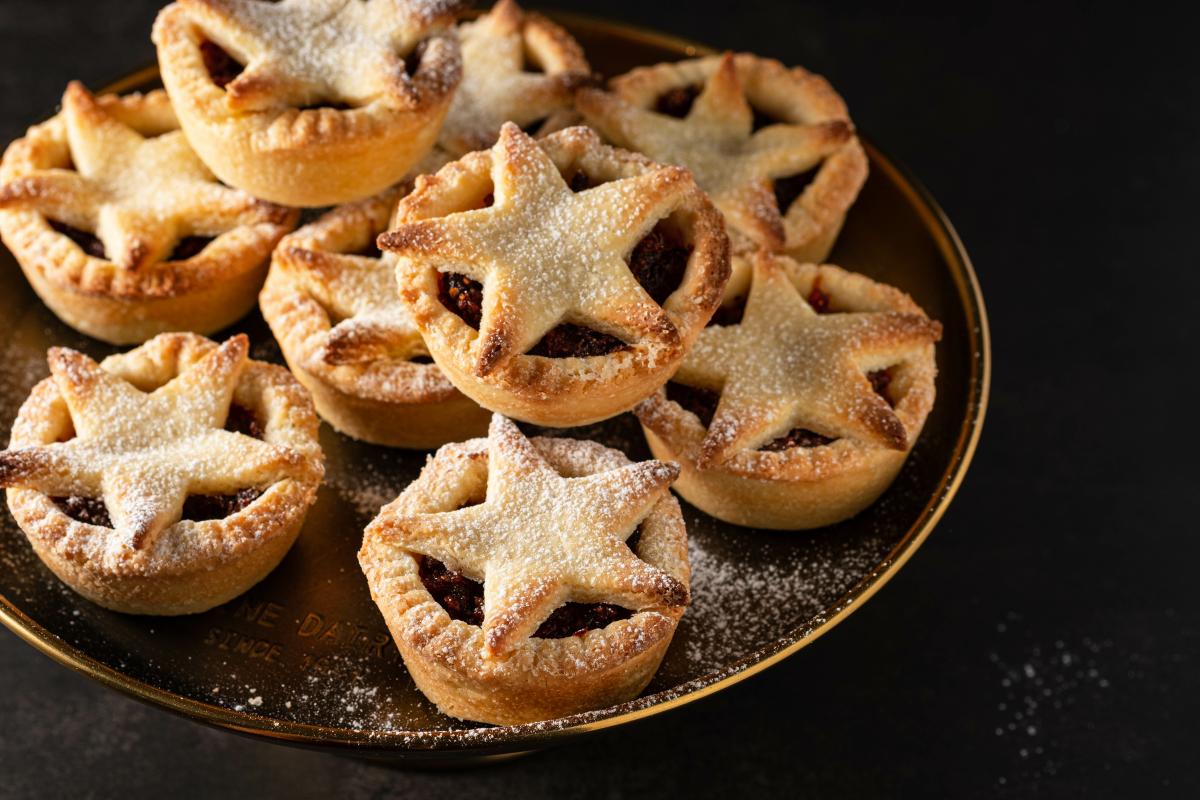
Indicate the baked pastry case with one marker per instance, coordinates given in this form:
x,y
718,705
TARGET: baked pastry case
x,y
304,657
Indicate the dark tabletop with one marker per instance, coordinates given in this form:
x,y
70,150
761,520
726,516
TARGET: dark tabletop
x,y
1044,640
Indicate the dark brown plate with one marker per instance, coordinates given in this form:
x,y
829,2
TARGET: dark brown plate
x,y
304,656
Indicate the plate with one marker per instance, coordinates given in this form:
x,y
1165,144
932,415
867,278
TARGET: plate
x,y
304,656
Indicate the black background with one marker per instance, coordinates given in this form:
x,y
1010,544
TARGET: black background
x,y
1044,641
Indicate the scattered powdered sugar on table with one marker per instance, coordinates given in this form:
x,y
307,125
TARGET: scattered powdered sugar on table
x,y
1038,684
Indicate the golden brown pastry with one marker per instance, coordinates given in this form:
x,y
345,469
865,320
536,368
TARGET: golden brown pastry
x,y
558,281
165,480
799,410
335,310
773,147
529,579
122,231
518,67
310,102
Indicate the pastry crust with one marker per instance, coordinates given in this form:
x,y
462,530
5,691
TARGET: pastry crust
x,y
805,486
88,167
530,678
734,165
167,567
496,87
267,131
359,369
546,255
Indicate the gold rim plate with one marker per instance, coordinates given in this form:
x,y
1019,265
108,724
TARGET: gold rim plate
x,y
304,658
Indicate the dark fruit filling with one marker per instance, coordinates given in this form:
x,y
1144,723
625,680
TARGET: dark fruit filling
x,y
880,380
730,313
531,128
370,249
566,340
462,599
817,299
421,360
86,241
88,510
197,507
634,538
461,295
576,619
802,437
761,120
580,181
242,420
412,61
189,246
464,297
677,102
334,104
201,507
658,262
797,437
789,188
221,66
701,402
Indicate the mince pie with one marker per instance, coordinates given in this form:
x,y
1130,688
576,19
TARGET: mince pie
x,y
517,67
333,306
122,231
310,102
799,405
773,147
558,281
529,579
165,480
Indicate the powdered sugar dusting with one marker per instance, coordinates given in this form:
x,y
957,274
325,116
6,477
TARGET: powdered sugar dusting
x,y
307,645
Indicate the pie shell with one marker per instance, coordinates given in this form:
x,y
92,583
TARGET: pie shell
x,y
795,95
563,392
541,678
392,402
204,293
547,45
304,157
191,566
801,487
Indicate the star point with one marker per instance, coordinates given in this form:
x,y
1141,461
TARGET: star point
x,y
546,254
360,291
138,194
786,366
732,162
297,52
539,539
143,453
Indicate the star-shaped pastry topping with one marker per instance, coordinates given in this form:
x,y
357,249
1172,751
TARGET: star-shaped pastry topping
x,y
359,291
144,453
546,254
539,540
733,163
785,366
307,52
139,195
496,89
